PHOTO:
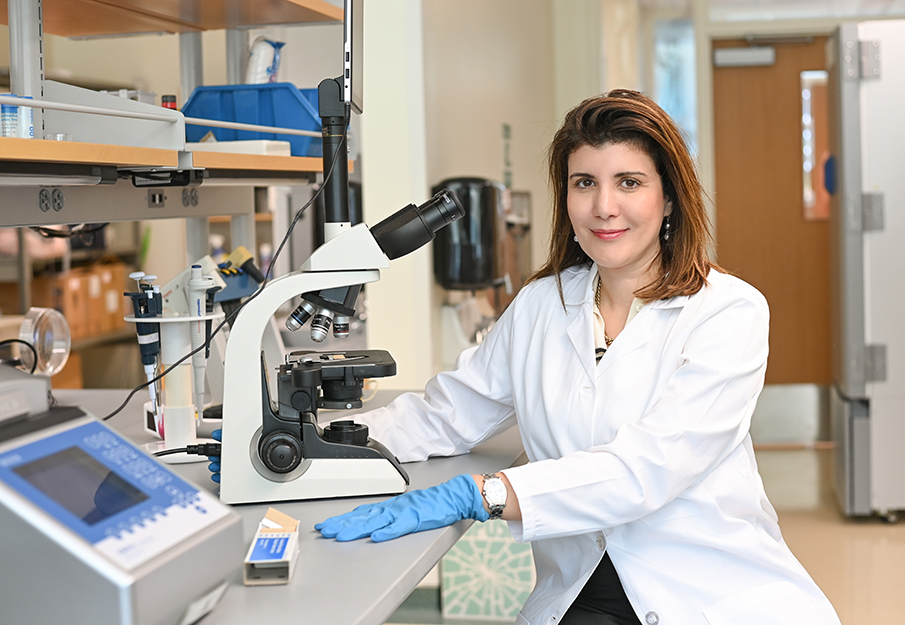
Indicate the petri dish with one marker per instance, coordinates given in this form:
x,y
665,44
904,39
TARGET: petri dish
x,y
47,330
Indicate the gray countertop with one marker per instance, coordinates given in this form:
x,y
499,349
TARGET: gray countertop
x,y
359,582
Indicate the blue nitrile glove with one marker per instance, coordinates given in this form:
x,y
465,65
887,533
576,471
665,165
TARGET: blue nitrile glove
x,y
214,466
418,510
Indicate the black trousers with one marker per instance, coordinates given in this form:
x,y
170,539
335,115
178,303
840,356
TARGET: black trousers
x,y
602,601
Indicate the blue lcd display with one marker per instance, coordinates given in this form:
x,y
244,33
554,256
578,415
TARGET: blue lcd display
x,y
81,484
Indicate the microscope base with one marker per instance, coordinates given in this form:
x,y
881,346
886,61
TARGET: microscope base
x,y
324,478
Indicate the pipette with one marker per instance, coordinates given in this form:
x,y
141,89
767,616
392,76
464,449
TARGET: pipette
x,y
147,303
196,291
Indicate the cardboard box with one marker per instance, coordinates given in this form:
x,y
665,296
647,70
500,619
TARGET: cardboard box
x,y
9,298
96,315
68,293
274,551
114,304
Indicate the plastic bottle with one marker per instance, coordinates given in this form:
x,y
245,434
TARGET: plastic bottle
x,y
9,119
263,61
26,118
168,101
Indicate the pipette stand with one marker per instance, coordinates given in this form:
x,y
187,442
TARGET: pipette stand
x,y
177,405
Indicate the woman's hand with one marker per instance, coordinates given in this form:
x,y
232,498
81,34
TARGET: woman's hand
x,y
418,510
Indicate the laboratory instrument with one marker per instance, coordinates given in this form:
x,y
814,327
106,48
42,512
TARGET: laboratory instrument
x,y
257,438
94,530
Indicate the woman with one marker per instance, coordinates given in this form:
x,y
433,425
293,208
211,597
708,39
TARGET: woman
x,y
632,366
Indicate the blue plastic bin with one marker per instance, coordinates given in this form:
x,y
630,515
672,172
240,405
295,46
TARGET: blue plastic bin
x,y
269,104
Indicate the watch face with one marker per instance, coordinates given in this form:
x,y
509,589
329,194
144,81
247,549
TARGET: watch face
x,y
495,492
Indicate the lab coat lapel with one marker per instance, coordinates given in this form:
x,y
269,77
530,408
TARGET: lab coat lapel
x,y
581,333
638,332
580,328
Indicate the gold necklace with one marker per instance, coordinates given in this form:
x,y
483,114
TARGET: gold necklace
x,y
606,339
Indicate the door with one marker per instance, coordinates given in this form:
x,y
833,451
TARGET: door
x,y
766,234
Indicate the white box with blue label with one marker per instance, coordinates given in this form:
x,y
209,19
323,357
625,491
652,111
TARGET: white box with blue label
x,y
273,552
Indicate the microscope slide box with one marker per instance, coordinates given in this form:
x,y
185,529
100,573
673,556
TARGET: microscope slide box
x,y
274,551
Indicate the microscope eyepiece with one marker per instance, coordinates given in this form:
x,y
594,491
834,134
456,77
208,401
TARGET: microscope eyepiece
x,y
411,227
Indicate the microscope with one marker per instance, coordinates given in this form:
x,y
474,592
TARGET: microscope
x,y
274,450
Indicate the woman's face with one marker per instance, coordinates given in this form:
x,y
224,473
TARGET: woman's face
x,y
616,206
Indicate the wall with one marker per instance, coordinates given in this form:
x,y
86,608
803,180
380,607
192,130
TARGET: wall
x,y
621,44
489,64
393,143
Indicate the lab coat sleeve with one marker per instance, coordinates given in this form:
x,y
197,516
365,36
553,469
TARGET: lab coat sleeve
x,y
701,415
458,410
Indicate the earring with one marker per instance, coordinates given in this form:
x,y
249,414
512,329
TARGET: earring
x,y
575,238
666,229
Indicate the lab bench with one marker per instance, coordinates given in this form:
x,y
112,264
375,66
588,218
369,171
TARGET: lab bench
x,y
358,582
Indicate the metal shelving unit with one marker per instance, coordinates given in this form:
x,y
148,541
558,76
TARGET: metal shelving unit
x,y
59,182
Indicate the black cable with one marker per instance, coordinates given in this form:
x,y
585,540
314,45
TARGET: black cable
x,y
204,449
170,452
78,230
34,352
260,288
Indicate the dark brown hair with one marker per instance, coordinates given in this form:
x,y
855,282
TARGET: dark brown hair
x,y
628,117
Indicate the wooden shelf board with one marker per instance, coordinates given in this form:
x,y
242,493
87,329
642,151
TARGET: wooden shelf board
x,y
40,150
255,162
219,14
87,18
224,219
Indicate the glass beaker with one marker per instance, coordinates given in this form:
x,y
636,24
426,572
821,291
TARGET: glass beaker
x,y
47,330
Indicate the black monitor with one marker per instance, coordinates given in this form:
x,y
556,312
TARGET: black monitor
x,y
352,54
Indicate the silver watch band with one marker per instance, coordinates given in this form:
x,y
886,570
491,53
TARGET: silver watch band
x,y
493,495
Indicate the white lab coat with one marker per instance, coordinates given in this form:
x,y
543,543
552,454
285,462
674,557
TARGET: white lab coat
x,y
645,454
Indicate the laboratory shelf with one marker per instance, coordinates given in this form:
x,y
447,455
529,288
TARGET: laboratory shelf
x,y
87,18
222,167
44,151
255,162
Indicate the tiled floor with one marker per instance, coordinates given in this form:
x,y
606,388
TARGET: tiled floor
x,y
859,564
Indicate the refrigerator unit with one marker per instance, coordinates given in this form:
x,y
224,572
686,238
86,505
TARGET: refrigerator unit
x,y
866,177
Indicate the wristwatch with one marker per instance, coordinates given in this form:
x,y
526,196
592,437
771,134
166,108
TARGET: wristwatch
x,y
494,494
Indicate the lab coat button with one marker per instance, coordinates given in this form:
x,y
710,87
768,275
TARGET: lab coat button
x,y
601,542
651,618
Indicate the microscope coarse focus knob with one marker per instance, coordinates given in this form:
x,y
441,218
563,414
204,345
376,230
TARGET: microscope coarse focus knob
x,y
347,432
281,452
